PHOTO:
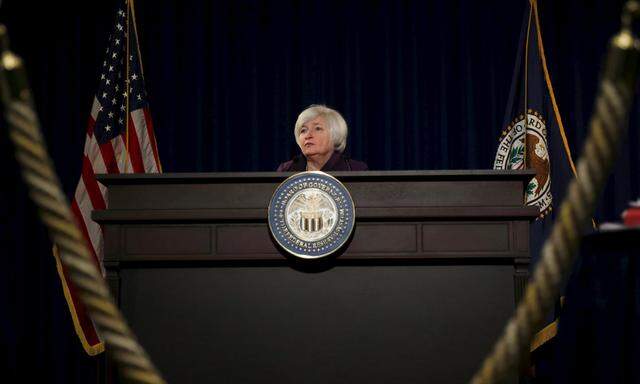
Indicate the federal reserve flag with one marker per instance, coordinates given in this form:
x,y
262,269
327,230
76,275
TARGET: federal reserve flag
x,y
533,135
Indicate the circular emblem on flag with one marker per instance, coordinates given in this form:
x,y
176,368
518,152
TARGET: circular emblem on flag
x,y
512,152
311,215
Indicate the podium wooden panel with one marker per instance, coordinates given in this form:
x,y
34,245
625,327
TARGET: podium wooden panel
x,y
434,267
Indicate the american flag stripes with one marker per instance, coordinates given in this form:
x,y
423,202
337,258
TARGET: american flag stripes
x,y
111,147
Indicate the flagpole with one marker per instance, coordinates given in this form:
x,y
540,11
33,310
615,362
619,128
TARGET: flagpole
x,y
526,90
126,91
135,31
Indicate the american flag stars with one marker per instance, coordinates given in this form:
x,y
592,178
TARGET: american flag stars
x,y
113,101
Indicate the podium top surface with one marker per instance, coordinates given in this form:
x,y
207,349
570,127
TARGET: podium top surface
x,y
415,175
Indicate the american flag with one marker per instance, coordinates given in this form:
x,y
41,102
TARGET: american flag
x,y
111,147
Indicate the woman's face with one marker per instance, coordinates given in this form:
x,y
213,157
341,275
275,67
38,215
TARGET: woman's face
x,y
315,138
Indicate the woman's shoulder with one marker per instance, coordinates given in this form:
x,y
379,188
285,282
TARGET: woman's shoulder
x,y
296,164
346,163
357,165
285,167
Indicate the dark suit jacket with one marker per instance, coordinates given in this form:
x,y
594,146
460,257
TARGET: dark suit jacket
x,y
337,162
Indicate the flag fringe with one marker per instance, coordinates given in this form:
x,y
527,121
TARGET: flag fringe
x,y
91,350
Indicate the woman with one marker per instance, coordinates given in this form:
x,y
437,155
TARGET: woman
x,y
321,134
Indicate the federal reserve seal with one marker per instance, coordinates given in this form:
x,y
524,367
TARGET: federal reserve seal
x,y
513,153
311,215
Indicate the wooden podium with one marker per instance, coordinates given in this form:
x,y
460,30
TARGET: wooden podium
x,y
433,270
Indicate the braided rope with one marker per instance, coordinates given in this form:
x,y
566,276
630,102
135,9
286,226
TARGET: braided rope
x,y
607,127
45,191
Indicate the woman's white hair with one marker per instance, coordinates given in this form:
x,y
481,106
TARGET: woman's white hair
x,y
335,121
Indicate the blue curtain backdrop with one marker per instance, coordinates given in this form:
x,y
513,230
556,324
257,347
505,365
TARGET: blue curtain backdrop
x,y
422,85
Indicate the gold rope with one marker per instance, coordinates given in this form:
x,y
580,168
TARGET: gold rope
x,y
45,191
552,94
607,127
